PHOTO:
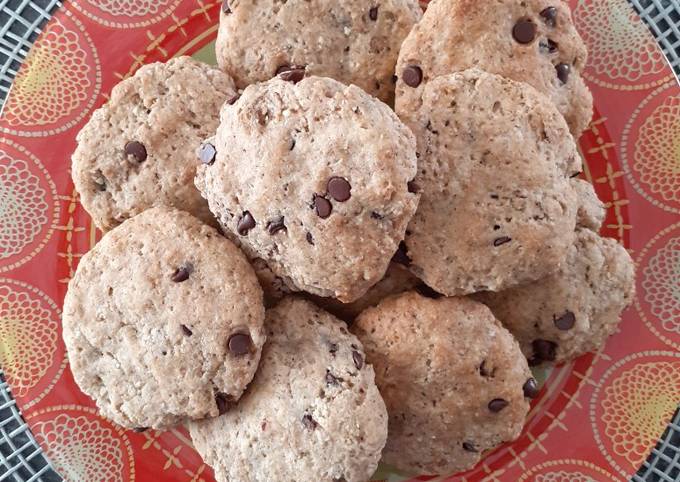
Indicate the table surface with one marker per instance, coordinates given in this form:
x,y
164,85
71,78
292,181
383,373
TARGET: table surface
x,y
22,460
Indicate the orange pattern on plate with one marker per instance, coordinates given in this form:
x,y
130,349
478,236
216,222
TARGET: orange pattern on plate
x,y
588,402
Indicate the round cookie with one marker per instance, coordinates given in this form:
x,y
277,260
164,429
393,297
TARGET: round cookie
x,y
138,150
454,380
353,41
163,321
497,207
397,279
313,411
573,311
313,178
532,41
591,211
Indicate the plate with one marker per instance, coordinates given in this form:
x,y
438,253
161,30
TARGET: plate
x,y
597,417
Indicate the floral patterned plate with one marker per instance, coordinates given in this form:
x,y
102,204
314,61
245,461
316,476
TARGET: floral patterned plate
x,y
596,419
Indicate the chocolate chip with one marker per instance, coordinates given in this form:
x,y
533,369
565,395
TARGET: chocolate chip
x,y
524,31
309,238
140,429
358,359
412,75
413,187
225,7
566,321
549,16
502,240
548,46
186,330
232,100
182,273
401,255
207,153
291,145
427,292
544,350
332,348
469,447
332,379
137,150
530,388
322,206
222,401
373,13
498,404
291,73
339,188
309,422
484,370
375,215
239,344
276,225
563,71
245,224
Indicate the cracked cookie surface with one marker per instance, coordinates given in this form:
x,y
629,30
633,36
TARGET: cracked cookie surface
x,y
138,149
314,178
163,321
454,381
313,411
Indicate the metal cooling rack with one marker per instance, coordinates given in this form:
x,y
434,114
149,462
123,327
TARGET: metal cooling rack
x,y
22,460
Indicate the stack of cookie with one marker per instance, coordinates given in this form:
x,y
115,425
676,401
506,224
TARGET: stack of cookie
x,y
243,205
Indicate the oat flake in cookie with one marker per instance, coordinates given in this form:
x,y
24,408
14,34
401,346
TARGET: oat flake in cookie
x,y
575,310
532,41
312,413
454,380
163,321
352,41
313,178
138,150
497,207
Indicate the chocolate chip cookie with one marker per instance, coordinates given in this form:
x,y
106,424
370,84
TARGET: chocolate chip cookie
x,y
454,380
573,311
138,150
313,411
532,41
163,321
498,207
353,41
313,178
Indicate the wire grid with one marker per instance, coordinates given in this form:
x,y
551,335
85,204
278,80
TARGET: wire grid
x,y
663,464
20,23
22,460
663,19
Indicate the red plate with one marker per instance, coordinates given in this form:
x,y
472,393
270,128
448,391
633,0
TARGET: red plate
x,y
598,417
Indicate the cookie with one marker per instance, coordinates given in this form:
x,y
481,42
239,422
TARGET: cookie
x,y
163,321
591,211
573,311
353,41
313,411
397,279
313,178
532,41
497,207
138,150
454,380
